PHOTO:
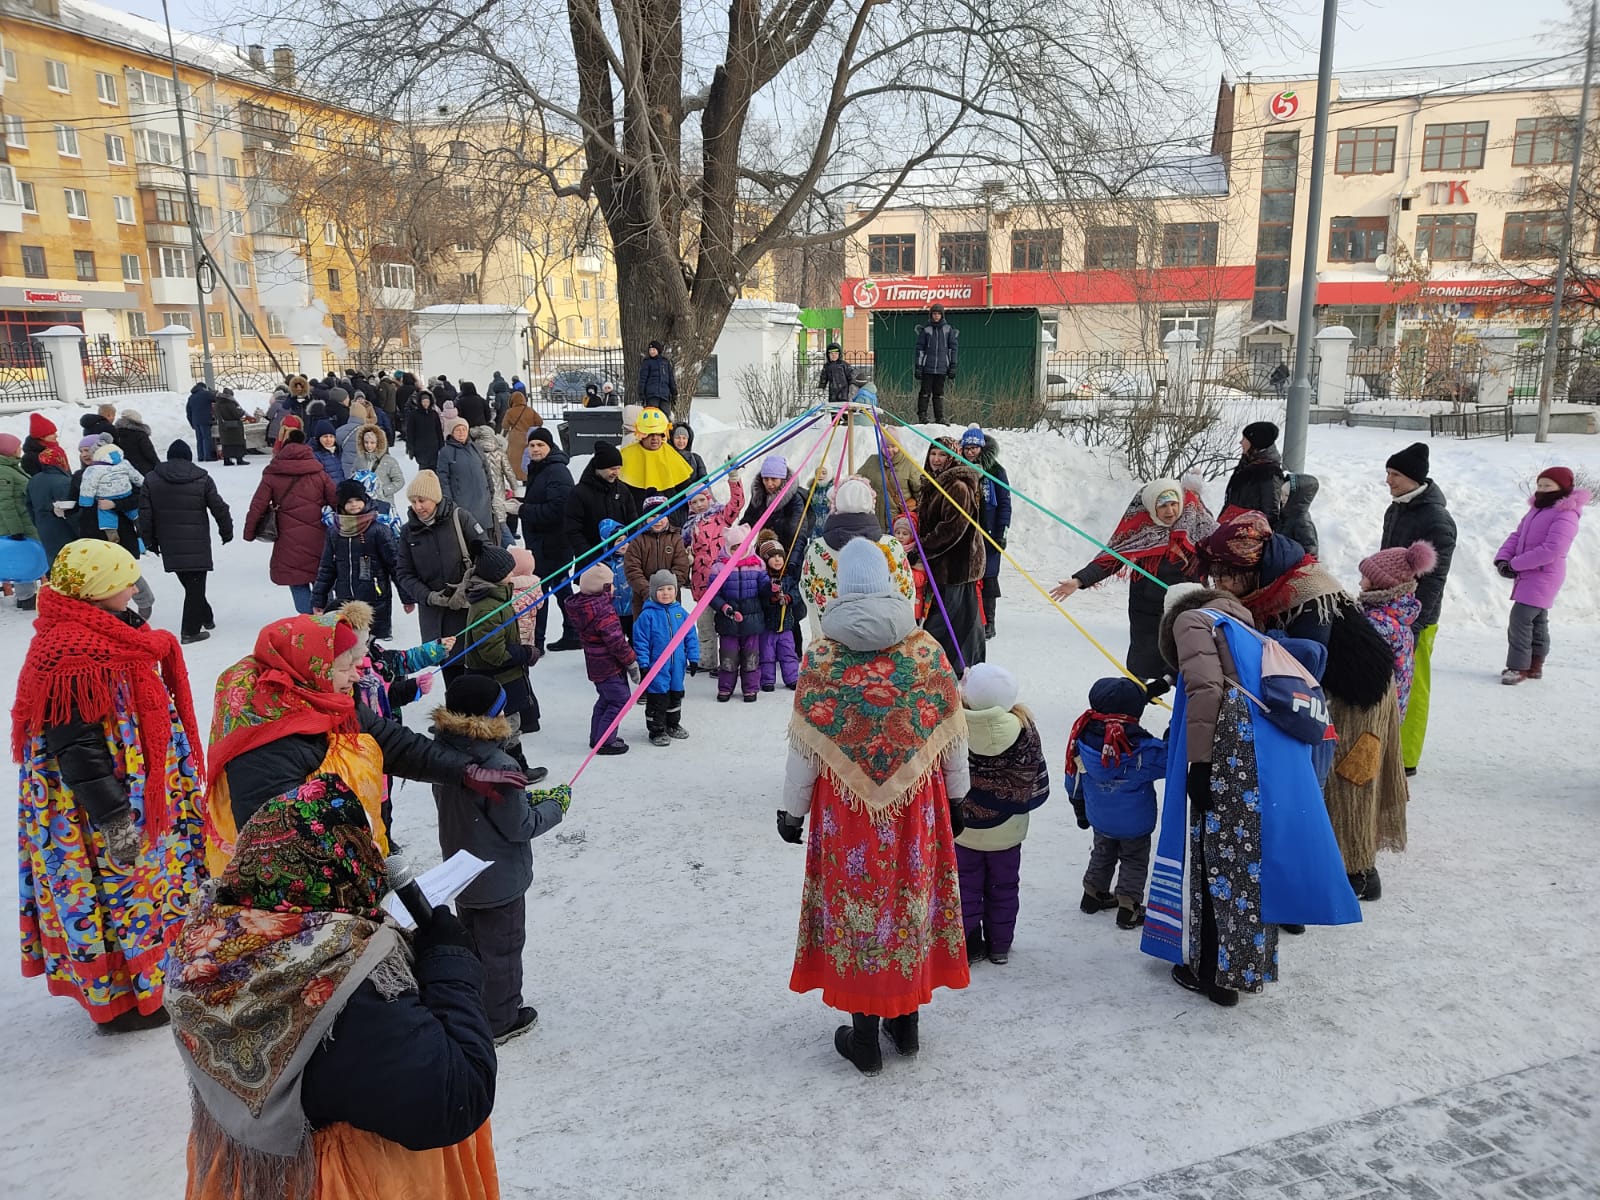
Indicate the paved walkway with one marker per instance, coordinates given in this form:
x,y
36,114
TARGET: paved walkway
x,y
1532,1135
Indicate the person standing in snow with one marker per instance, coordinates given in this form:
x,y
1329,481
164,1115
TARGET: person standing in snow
x,y
1389,600
953,551
1417,513
295,489
884,813
1294,516
658,383
1255,482
201,411
499,399
1535,556
175,513
938,346
853,499
994,487
837,376
464,476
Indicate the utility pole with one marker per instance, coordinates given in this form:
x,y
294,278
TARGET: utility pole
x,y
1298,417
1552,341
191,202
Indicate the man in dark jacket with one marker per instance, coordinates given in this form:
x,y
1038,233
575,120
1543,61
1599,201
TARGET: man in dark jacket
x,y
953,553
499,398
437,546
1257,481
175,513
1417,512
658,383
544,526
938,346
201,411
599,495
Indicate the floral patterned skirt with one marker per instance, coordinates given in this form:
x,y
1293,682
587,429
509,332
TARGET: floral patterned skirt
x,y
1225,858
96,932
880,916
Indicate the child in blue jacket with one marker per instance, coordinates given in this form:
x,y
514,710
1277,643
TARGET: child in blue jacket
x,y
1112,766
656,625
621,592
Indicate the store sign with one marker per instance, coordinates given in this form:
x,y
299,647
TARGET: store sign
x,y
1284,105
913,292
33,297
1447,191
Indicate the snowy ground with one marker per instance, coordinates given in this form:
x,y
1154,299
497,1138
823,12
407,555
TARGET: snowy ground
x,y
671,1060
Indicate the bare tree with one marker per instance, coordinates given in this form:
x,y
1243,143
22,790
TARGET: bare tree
x,y
707,131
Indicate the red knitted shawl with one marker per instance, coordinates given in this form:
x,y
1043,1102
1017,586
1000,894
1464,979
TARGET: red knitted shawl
x,y
78,656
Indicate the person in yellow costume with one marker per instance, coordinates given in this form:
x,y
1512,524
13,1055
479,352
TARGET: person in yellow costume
x,y
286,713
652,466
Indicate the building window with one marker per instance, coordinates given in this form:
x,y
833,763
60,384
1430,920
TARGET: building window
x,y
136,324
217,324
458,154
469,281
583,289
11,65
77,203
8,184
149,88
600,291
1541,141
124,209
1532,235
30,203
1455,146
398,275
247,326
67,142
321,136
33,265
1036,250
605,329
1189,244
233,222
184,318
1447,237
1357,239
155,147
55,76
199,164
132,268
170,262
205,216
1366,321
891,253
240,273
1365,151
83,265
566,288
572,329
464,245
588,328
170,209
105,86
1280,174
116,150
16,132
333,280
274,325
341,328
230,168
330,233
963,253
1110,248
1201,320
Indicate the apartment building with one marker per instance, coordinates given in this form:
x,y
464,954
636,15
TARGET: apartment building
x,y
1435,204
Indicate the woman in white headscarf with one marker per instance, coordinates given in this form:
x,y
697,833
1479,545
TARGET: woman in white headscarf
x,y
854,516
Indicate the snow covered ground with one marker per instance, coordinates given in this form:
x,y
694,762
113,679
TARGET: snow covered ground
x,y
671,1060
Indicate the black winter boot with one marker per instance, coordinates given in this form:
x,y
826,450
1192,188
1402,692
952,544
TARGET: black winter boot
x,y
1358,884
902,1032
1096,902
858,1041
1374,888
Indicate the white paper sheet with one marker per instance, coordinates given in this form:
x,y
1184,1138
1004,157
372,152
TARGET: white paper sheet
x,y
441,885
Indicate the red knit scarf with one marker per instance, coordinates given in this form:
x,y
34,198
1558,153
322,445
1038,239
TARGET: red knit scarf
x,y
1116,742
78,656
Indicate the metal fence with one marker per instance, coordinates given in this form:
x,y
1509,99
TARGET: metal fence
x,y
1453,373
1256,372
25,381
1090,375
808,366
1577,379
111,367
242,370
1484,421
394,359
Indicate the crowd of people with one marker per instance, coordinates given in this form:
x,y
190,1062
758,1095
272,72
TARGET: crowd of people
x,y
211,877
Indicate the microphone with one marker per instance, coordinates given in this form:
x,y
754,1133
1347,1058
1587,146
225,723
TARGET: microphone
x,y
404,885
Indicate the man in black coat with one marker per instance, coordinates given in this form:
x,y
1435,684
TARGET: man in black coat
x,y
201,411
938,347
544,525
1417,512
599,494
176,508
474,409
658,382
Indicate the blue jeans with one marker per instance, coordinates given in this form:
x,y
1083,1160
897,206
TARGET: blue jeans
x,y
302,597
202,447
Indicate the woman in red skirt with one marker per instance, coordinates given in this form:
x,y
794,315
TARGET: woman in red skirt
x,y
878,758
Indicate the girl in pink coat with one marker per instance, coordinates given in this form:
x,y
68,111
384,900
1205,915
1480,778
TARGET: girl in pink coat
x,y
703,531
1535,555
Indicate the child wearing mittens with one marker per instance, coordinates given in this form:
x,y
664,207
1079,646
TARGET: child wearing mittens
x,y
1112,766
1009,780
740,621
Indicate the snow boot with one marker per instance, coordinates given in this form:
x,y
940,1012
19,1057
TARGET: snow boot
x,y
660,739
1511,676
902,1032
527,1018
1096,902
1536,671
751,697
1374,887
133,1021
988,632
724,697
1296,930
30,604
858,1042
199,635
1129,915
565,642
999,957
617,747
677,733
977,950
1190,982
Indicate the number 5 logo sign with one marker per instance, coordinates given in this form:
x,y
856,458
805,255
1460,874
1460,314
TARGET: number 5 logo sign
x,y
1283,106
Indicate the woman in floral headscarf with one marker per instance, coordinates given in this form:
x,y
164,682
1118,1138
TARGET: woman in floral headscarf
x,y
326,1061
286,713
110,791
878,759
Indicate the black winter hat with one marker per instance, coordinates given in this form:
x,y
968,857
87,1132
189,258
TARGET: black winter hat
x,y
540,434
606,455
351,489
475,696
658,347
1117,695
494,564
1260,434
179,452
1412,462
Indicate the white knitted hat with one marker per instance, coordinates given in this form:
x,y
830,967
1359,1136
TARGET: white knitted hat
x,y
988,685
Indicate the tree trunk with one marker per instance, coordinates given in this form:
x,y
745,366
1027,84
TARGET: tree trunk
x,y
650,309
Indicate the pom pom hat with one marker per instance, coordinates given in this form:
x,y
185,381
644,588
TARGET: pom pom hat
x,y
1398,565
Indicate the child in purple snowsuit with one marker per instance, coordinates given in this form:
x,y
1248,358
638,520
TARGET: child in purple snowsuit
x,y
607,655
1389,600
1113,763
1535,555
782,611
1009,780
740,624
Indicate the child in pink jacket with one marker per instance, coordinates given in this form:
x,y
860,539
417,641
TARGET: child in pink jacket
x,y
703,531
525,590
1535,555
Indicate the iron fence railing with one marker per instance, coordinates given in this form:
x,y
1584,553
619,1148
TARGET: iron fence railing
x,y
243,370
1257,372
1104,375
1453,373
25,380
1483,421
112,367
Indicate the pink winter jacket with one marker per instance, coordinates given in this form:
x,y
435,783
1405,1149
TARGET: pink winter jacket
x,y
703,535
1537,550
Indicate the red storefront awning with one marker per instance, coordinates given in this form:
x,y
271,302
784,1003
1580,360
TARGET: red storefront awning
x,y
1461,291
1048,289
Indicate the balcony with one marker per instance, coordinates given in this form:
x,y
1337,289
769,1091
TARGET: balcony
x,y
159,233
587,264
167,177
394,297
171,290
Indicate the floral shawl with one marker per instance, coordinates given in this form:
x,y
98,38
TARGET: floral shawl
x,y
284,687
1306,584
1142,539
264,965
79,657
877,721
1007,784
